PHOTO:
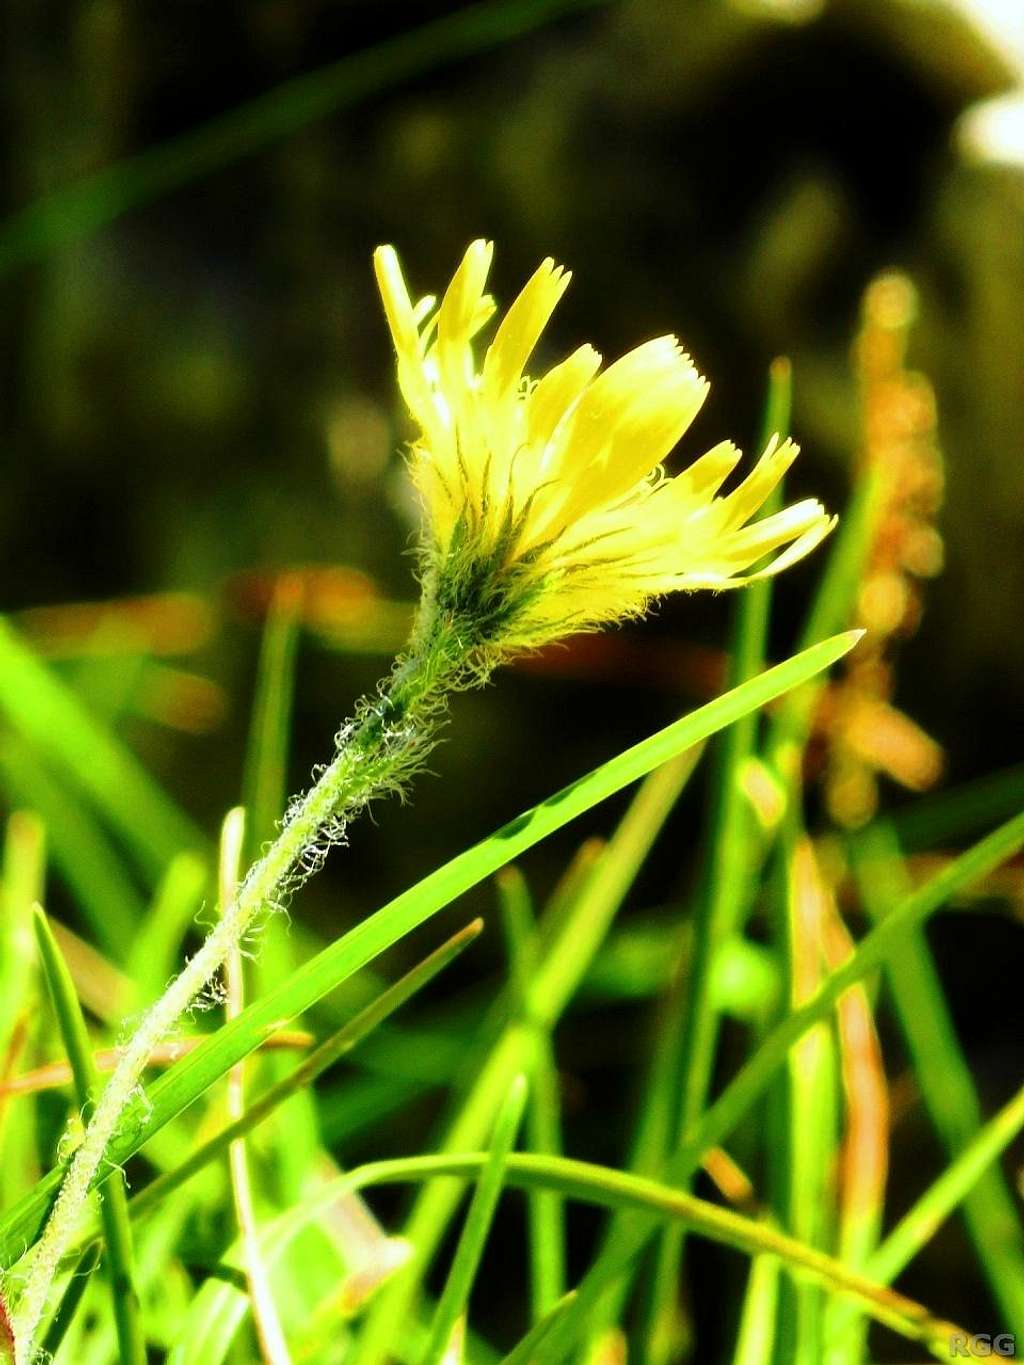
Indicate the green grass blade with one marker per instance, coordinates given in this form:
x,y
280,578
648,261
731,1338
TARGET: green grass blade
x,y
755,1340
809,1103
296,1137
525,1352
113,1205
81,1274
929,1212
459,1284
190,1077
606,1187
24,863
943,1074
959,813
70,214
727,875
48,715
24,870
564,960
264,788
302,1077
735,1101
545,1215
156,943
923,1219
80,848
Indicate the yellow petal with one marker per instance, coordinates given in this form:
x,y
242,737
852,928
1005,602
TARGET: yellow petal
x,y
458,314
520,331
746,499
744,547
705,476
626,422
557,392
398,308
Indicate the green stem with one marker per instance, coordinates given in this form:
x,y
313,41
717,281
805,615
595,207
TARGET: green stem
x,y
375,753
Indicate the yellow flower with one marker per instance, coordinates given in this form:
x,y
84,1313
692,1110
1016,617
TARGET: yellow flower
x,y
548,498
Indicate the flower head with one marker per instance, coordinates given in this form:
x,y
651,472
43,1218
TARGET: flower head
x,y
548,508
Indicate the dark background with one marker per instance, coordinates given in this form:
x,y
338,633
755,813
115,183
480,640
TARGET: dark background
x,y
199,392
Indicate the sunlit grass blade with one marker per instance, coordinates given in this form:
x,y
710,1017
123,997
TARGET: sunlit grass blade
x,y
264,796
48,715
458,1285
24,867
726,878
755,1339
81,209
525,1352
22,885
80,848
113,1206
81,1273
735,1101
912,1233
302,1077
604,1186
195,1073
808,1093
156,943
264,788
942,1072
926,1215
265,1317
864,1158
563,961
543,1119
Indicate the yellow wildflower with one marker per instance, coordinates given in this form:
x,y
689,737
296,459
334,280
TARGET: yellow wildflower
x,y
548,498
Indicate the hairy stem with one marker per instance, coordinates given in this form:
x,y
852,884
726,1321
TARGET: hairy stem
x,y
375,754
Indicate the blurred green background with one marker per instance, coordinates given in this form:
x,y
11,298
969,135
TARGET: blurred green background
x,y
197,386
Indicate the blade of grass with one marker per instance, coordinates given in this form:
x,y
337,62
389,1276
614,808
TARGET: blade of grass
x,y
864,1159
24,861
24,870
464,1267
734,1102
927,1214
563,964
525,1351
543,1121
809,1093
718,910
194,1074
81,850
755,1341
269,1335
78,1283
156,943
942,1072
264,787
81,209
49,716
113,1204
960,812
604,1186
296,1136
324,1055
